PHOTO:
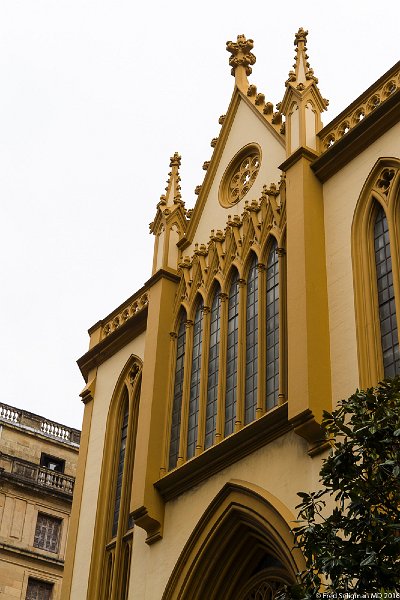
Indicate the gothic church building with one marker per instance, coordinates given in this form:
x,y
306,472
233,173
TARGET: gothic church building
x,y
276,296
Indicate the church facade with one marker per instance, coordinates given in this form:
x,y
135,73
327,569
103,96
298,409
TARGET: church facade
x,y
276,296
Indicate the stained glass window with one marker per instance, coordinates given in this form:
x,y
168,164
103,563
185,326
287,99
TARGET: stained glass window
x,y
121,462
193,417
232,355
272,327
213,370
251,343
386,301
178,391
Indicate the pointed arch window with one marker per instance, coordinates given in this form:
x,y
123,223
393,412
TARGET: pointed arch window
x,y
375,239
178,391
213,370
386,297
114,528
232,355
272,367
193,416
251,343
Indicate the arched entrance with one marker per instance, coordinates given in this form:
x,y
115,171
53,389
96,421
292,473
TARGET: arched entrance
x,y
241,549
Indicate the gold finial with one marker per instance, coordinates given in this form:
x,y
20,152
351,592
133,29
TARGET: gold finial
x,y
301,36
175,160
242,58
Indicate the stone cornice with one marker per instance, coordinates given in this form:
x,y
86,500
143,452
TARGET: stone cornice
x,y
261,432
58,562
301,152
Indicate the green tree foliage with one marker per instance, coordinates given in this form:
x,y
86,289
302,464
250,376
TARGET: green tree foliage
x,y
356,546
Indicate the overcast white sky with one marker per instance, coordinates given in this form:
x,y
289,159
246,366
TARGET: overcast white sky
x,y
95,96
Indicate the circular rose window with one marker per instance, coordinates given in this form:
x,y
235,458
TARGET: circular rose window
x,y
240,175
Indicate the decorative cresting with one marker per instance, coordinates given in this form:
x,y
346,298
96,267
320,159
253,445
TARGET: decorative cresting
x,y
247,530
112,545
376,268
366,104
128,310
240,175
242,346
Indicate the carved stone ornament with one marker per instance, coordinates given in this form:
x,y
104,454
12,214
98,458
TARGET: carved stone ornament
x,y
241,55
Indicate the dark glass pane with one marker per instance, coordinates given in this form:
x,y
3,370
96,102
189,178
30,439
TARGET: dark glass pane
x,y
232,353
195,383
272,367
251,343
386,303
47,533
213,367
121,461
38,590
178,389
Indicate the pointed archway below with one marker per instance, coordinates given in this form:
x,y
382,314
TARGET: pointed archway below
x,y
241,544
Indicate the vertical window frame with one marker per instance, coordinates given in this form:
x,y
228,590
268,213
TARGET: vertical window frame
x,y
252,342
195,380
232,344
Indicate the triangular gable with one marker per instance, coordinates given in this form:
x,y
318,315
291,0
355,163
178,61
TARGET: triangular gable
x,y
249,120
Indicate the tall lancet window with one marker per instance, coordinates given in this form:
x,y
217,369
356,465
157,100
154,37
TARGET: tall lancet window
x,y
232,355
121,462
213,370
193,417
251,343
386,301
272,327
178,390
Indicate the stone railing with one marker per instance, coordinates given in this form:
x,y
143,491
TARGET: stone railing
x,y
48,428
376,95
27,471
128,310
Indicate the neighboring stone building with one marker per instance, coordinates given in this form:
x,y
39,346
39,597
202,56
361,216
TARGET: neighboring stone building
x,y
276,296
37,475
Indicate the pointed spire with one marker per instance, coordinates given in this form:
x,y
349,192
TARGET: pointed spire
x,y
301,76
302,103
241,60
173,188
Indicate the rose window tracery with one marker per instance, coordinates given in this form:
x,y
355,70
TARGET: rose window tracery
x,y
244,177
240,175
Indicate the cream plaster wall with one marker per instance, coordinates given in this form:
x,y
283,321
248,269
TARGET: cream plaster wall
x,y
341,193
246,128
107,376
152,566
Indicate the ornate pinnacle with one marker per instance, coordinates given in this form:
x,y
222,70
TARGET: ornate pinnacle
x,y
241,55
